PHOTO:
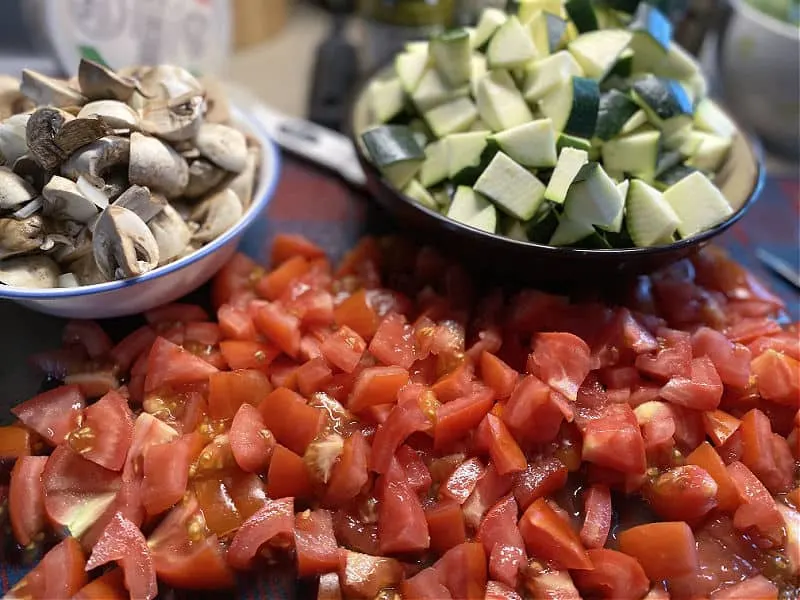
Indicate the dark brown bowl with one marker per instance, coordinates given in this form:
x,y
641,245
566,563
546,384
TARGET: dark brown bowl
x,y
741,179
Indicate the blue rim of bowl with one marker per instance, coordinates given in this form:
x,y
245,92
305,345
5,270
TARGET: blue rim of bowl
x,y
269,176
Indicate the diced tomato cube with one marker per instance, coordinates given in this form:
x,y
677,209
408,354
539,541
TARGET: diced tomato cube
x,y
291,420
531,402
401,521
498,375
685,493
377,385
720,425
315,543
272,285
614,440
357,313
287,245
540,478
445,525
503,542
343,349
287,475
503,449
561,360
664,550
672,359
547,536
246,354
394,342
597,516
778,378
417,474
706,457
228,390
279,327
313,376
349,473
702,390
732,361
463,570
757,513
236,323
456,419
52,414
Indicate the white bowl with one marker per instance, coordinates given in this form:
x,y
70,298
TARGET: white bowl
x,y
167,283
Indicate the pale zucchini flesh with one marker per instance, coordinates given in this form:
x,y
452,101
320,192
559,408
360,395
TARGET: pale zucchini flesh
x,y
531,145
513,189
698,203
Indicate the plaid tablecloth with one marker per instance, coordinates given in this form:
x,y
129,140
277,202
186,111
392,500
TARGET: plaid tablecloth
x,y
316,204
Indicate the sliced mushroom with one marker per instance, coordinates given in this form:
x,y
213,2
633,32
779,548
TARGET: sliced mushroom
x,y
123,245
29,209
40,133
218,108
138,199
86,270
32,271
244,183
90,192
216,214
172,103
31,171
67,280
171,232
204,176
163,82
70,245
48,91
14,190
18,236
98,82
64,201
95,159
156,165
114,113
225,146
78,133
13,138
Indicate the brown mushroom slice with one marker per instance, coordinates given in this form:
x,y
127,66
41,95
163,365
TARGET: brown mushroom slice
x,y
30,271
216,214
114,113
64,201
156,165
31,171
171,233
225,146
122,244
138,199
79,132
204,176
95,159
244,183
18,236
14,190
13,138
98,82
49,91
86,270
175,120
40,134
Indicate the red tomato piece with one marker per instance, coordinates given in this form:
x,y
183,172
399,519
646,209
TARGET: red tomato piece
x,y
313,376
245,354
489,488
15,441
175,313
455,384
106,433
202,335
131,347
228,390
171,365
123,543
401,521
364,576
778,378
109,586
498,375
463,570
343,349
615,441
52,414
532,402
235,279
664,549
446,525
357,313
758,513
500,591
375,386
753,588
235,323
287,475
705,457
315,543
166,472
549,584
291,420
503,448
540,478
393,343
349,474
732,361
313,307
279,327
503,542
685,493
758,453
425,585
60,574
26,499
461,482
615,575
406,418
561,360
288,245
672,359
455,419
786,342
251,442
657,422
272,285
417,474
597,519
701,391
89,335
748,329
273,523
720,425
549,537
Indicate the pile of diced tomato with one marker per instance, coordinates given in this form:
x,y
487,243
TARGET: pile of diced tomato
x,y
395,431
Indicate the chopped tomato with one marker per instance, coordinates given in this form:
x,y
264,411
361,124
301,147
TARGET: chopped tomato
x,y
548,584
171,365
417,474
288,245
343,349
732,361
377,385
60,574
287,475
461,482
758,453
109,586
658,425
498,375
706,457
147,431
597,516
15,441
455,419
393,342
489,488
313,376
748,329
123,543
502,541
106,433
500,591
235,323
279,327
406,418
672,359
237,276
228,390
315,543
753,588
131,347
615,575
454,384
274,283
532,402
719,425
445,525
778,378
615,441
26,499
89,335
701,391
425,585
52,414
357,313
364,576
273,524
685,493
463,570
540,478
251,441
290,419
349,474
166,472
758,513
401,521
561,360
503,449
664,549
549,537
245,354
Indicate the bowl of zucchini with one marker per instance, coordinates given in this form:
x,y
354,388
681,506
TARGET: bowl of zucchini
x,y
574,138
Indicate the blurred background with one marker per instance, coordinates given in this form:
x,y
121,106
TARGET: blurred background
x,y
305,58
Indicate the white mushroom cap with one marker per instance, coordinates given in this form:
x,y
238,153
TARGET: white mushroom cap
x,y
123,245
31,271
13,132
64,201
115,113
223,145
14,190
157,166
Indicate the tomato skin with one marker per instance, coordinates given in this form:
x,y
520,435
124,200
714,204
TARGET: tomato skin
x,y
416,472
757,513
246,354
531,402
701,391
279,327
539,479
287,245
132,346
498,375
463,570
489,488
357,313
503,542
228,390
274,283
445,525
777,378
15,441
349,475
758,453
455,384
753,588
719,425
235,323
343,349
597,519
615,441
406,418
26,499
251,442
89,335
60,574
732,361
672,359
549,537
171,365
375,386
109,586
363,576
315,543
748,329
313,376
705,457
500,591
52,414
455,419
425,585
166,472
615,575
685,493
274,520
294,423
108,424
287,475
401,521
461,482
393,343
549,584
666,549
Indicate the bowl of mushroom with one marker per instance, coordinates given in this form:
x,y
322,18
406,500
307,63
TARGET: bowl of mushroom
x,y
120,191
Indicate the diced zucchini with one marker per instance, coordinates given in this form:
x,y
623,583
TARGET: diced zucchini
x,y
410,67
570,232
614,111
395,152
432,91
452,117
616,224
637,119
676,64
593,197
636,154
650,218
598,51
515,230
698,204
581,12
667,160
417,191
547,31
463,154
710,152
500,104
515,190
661,99
491,18
478,70
479,125
570,141
652,33
417,46
672,176
527,8
548,73
452,53
711,118
470,208
573,106
511,46
623,66
532,144
386,99
570,162
434,169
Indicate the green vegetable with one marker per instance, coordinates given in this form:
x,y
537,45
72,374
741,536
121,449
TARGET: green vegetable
x,y
451,52
515,190
573,106
395,152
